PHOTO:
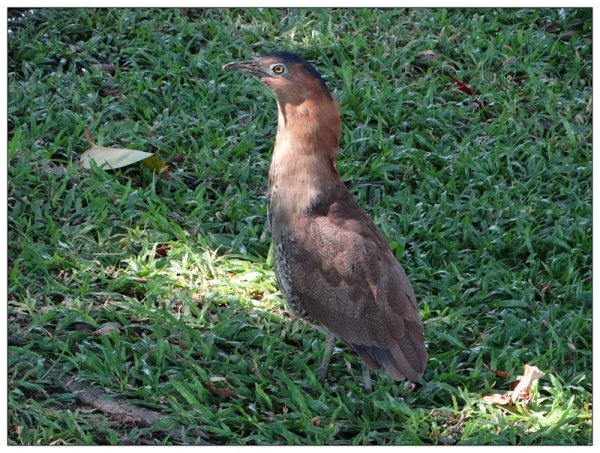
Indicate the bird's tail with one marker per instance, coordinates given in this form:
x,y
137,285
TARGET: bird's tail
x,y
404,360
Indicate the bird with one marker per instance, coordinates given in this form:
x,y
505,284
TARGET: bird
x,y
332,265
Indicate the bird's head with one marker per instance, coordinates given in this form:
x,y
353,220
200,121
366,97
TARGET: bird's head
x,y
290,78
308,113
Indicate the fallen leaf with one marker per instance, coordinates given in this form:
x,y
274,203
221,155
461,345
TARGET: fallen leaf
x,y
110,68
520,388
105,329
552,28
428,55
500,374
161,251
461,86
224,392
531,374
218,379
110,157
82,327
497,398
177,158
108,92
156,164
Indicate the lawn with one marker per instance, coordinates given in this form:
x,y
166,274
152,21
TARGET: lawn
x,y
467,137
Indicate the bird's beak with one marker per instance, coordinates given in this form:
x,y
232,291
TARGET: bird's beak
x,y
248,67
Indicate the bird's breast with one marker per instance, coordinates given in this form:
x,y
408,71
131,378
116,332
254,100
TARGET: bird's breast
x,y
282,264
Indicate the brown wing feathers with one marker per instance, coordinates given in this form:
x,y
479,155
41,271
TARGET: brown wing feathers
x,y
349,282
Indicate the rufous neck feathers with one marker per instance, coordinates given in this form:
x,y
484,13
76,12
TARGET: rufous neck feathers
x,y
313,125
303,170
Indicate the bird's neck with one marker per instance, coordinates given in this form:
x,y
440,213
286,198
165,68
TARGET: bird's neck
x,y
311,126
303,169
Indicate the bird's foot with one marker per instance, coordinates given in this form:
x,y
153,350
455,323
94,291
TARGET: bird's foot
x,y
322,371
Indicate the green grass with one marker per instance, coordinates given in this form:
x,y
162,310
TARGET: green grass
x,y
485,199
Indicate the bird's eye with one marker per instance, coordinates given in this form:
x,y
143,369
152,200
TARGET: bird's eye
x,y
278,69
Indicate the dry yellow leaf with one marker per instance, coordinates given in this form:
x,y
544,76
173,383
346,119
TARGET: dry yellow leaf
x,y
110,158
497,398
531,374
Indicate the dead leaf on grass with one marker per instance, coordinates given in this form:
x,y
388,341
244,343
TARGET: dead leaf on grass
x,y
105,329
521,389
177,158
499,373
497,398
590,105
462,86
428,55
162,251
109,68
218,379
109,158
224,392
108,92
553,28
156,164
531,374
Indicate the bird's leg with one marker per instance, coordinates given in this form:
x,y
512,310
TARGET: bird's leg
x,y
329,343
366,374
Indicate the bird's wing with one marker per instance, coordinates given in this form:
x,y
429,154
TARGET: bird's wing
x,y
346,278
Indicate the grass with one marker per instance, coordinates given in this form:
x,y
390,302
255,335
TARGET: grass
x,y
160,291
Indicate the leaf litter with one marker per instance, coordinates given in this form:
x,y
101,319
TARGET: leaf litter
x,y
113,158
520,393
